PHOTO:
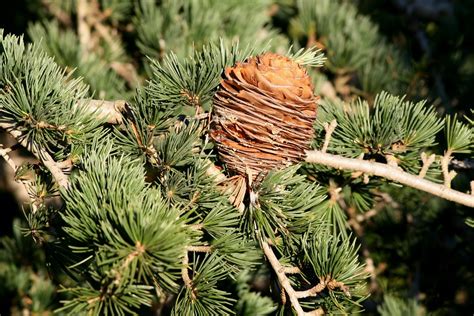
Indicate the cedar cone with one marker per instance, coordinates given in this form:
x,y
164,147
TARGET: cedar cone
x,y
263,114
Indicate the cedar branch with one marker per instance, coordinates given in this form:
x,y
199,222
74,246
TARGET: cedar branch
x,y
390,173
40,154
285,282
358,165
427,161
188,282
109,110
448,175
329,128
27,185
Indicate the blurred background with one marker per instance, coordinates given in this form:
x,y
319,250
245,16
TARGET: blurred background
x,y
418,248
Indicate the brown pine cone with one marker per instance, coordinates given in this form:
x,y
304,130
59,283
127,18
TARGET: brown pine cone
x,y
263,114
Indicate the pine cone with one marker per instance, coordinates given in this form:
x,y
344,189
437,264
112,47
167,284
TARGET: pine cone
x,y
263,114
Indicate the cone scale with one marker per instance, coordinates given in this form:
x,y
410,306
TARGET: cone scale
x,y
263,114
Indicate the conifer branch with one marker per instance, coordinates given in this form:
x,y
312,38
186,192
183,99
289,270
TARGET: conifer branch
x,y
390,173
292,270
83,29
57,12
40,154
4,152
329,128
427,161
285,282
199,248
448,175
185,274
27,185
188,282
109,110
326,282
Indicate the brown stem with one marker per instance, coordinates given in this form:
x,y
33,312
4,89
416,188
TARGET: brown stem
x,y
285,282
427,161
27,185
199,248
314,291
329,128
111,111
292,270
40,154
83,29
390,173
448,175
58,13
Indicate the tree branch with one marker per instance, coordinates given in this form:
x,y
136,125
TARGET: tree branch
x,y
199,248
83,28
280,272
109,110
185,275
285,282
27,185
390,173
329,128
448,175
57,12
427,161
40,154
188,282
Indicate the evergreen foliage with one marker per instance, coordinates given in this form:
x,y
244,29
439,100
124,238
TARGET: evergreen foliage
x,y
144,226
349,39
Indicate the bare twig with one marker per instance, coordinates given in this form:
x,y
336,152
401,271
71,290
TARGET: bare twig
x,y
325,282
109,110
329,128
285,282
448,175
185,274
40,154
328,91
83,29
390,173
427,161
314,291
391,160
185,266
280,272
127,71
4,152
199,248
357,174
58,13
28,186
292,270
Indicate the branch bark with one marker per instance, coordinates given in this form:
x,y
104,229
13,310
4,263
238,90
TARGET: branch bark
x,y
390,173
285,282
109,110
40,154
26,185
83,28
